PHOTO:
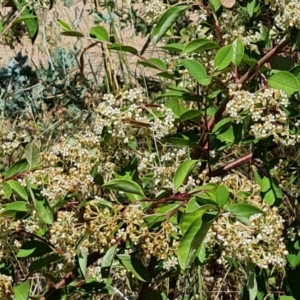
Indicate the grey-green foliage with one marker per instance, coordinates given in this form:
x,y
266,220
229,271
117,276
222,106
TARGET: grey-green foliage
x,y
24,91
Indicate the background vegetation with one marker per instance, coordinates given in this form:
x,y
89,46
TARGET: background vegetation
x,y
180,183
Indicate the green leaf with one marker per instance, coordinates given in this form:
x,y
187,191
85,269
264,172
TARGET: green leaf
x,y
282,63
166,21
197,71
34,249
21,291
181,140
190,114
183,172
286,298
251,282
18,188
270,190
199,45
238,52
222,195
223,57
294,260
251,4
243,210
193,238
72,33
82,262
285,81
107,261
18,167
175,47
99,33
135,267
154,63
63,25
192,205
43,208
119,47
189,218
31,23
227,136
7,190
32,155
39,264
16,206
216,4
124,185
24,18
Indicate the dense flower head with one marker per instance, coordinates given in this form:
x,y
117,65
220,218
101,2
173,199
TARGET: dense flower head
x,y
267,111
260,242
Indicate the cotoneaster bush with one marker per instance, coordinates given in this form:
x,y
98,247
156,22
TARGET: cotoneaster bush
x,y
191,195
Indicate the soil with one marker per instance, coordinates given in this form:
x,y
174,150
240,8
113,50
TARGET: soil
x,y
79,17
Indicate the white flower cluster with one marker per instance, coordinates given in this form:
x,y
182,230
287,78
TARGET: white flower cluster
x,y
288,13
261,242
12,141
266,110
6,287
232,27
153,9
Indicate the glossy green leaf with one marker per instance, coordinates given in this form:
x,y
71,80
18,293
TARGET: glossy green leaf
x,y
123,48
32,154
154,63
243,210
39,264
31,23
16,206
227,136
181,140
24,18
21,291
107,261
124,185
135,267
197,71
166,21
251,4
18,188
18,167
189,218
283,297
175,47
222,195
193,238
294,260
251,280
99,33
270,190
190,114
7,190
72,33
285,81
223,57
82,261
199,45
34,249
43,208
64,25
237,52
215,4
183,172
